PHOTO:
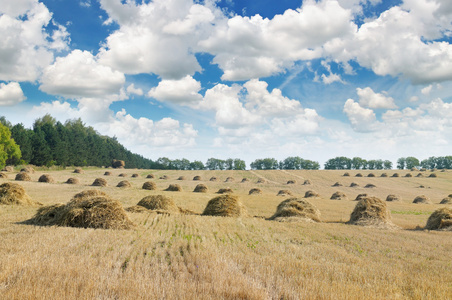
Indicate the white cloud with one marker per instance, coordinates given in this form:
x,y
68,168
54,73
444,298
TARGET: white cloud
x,y
80,75
183,91
427,90
368,98
11,94
132,90
361,119
26,46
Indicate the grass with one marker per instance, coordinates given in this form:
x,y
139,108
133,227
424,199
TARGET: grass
x,y
202,257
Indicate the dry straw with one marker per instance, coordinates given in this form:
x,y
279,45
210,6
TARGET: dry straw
x,y
408,175
337,184
371,211
107,173
295,209
384,175
149,185
440,219
23,176
181,178
159,203
311,194
135,175
197,178
307,182
360,196
225,206
447,200
261,180
8,169
200,188
46,178
245,180
164,177
124,184
100,182
284,193
3,175
370,186
213,179
359,175
346,174
354,184
28,170
229,179
14,194
225,191
422,199
291,182
392,198
174,188
371,175
122,175
150,176
79,171
433,175
338,196
72,181
255,191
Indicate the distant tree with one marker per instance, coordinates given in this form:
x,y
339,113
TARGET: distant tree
x,y
197,165
164,163
9,150
298,163
23,138
401,162
215,164
387,165
358,163
239,164
265,164
338,163
411,162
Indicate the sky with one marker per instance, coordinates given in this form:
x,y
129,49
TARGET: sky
x,y
236,79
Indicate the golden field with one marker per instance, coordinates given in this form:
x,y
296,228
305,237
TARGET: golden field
x,y
201,257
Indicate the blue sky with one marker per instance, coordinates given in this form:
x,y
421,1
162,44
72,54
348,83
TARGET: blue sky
x,y
247,79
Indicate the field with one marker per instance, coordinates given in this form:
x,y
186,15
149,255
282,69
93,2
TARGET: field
x,y
200,257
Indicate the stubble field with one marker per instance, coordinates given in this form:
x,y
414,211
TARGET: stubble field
x,y
201,257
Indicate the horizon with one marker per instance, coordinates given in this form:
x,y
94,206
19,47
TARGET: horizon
x,y
236,79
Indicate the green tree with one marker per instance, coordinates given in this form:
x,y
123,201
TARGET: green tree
x,y
9,150
23,138
387,164
411,162
401,162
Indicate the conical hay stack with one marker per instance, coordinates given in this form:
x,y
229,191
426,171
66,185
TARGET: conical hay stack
x,y
371,211
408,175
107,173
307,182
197,178
284,193
159,203
3,175
370,186
48,215
79,171
14,194
23,176
419,175
311,194
164,177
87,194
422,199
28,170
392,198
255,191
395,175
229,179
384,175
135,175
354,184
337,184
123,175
433,175
174,188
371,175
73,181
447,200
225,191
213,179
200,188
359,175
150,176
261,180
225,206
100,182
136,209
440,219
291,182
338,196
346,174
296,208
8,169
181,178
149,185
245,180
124,184
360,196
46,178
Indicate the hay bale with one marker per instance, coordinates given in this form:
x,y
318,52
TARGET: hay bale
x,y
28,170
174,188
213,178
255,191
8,169
359,175
200,188
124,184
46,178
421,186
197,178
149,185
93,212
337,184
225,191
284,193
311,194
395,175
14,194
371,175
164,177
79,171
23,176
447,200
107,173
346,174
87,194
370,186
182,178
159,203
408,175
100,182
72,181
3,175
261,180
392,198
229,179
422,199
354,184
150,176
291,182
338,196
307,182
135,175
440,219
419,175
118,164
122,175
371,211
225,206
384,175
296,209
136,209
245,180
443,170
433,175
360,196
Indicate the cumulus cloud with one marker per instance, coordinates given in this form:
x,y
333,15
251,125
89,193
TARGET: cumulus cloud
x,y
184,91
11,94
132,90
368,98
361,119
80,75
27,47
